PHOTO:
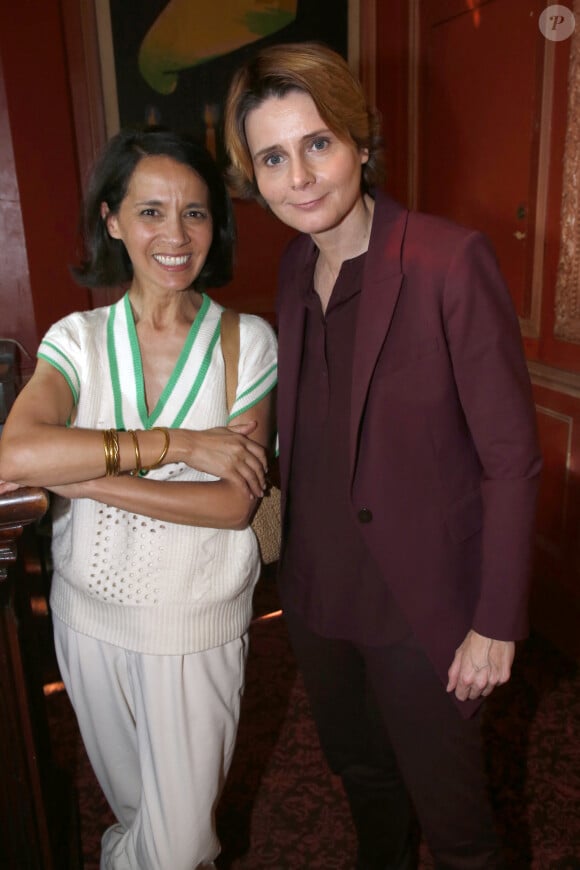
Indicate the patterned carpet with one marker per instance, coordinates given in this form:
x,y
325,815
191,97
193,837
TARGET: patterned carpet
x,y
282,808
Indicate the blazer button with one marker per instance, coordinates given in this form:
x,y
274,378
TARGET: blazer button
x,y
365,515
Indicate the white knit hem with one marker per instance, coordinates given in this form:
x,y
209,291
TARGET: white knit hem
x,y
162,629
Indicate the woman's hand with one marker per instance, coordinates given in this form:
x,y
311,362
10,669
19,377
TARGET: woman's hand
x,y
5,487
225,452
480,664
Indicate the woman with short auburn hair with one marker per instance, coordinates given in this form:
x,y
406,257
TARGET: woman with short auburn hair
x,y
326,78
409,463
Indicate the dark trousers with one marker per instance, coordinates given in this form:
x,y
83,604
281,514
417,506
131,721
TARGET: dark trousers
x,y
395,737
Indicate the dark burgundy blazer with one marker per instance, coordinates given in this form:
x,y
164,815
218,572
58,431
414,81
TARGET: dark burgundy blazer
x,y
444,456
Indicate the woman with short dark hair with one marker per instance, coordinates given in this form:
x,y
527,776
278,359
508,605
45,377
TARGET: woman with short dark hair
x,y
107,263
126,420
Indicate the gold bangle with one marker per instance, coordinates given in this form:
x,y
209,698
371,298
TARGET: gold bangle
x,y
106,452
163,452
115,461
137,468
111,450
115,458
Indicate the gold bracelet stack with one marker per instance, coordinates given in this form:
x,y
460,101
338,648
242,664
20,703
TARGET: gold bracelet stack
x,y
113,458
111,448
137,468
163,452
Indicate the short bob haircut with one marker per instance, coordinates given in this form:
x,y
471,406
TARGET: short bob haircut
x,y
106,262
324,75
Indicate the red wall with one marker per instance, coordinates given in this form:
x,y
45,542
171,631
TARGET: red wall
x,y
261,240
38,121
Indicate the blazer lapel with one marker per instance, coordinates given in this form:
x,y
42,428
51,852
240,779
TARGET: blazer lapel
x,y
382,280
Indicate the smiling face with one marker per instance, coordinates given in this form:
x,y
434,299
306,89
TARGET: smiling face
x,y
165,223
308,177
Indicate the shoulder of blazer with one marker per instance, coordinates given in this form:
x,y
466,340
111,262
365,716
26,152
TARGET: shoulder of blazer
x,y
419,226
387,209
385,253
432,241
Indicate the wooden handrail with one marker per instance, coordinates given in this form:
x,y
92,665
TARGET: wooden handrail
x,y
18,509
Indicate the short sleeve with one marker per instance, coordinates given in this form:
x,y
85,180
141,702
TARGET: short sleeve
x,y
258,368
61,348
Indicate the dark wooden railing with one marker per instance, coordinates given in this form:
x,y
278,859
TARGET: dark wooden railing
x,y
38,829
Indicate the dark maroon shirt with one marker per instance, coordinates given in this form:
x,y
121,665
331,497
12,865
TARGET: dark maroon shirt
x,y
327,574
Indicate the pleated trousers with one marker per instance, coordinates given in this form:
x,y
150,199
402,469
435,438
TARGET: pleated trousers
x,y
159,732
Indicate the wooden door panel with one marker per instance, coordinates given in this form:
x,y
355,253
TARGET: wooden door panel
x,y
556,430
478,125
556,589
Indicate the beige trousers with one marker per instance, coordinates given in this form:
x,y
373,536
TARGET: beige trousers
x,y
159,732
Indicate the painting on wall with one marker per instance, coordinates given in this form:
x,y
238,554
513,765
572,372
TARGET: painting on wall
x,y
169,62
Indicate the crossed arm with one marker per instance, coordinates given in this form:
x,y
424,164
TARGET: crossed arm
x,y
38,449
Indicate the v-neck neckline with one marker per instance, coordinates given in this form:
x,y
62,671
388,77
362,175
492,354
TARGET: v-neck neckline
x,y
120,379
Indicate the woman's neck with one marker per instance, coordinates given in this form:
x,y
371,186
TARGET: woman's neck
x,y
160,310
348,240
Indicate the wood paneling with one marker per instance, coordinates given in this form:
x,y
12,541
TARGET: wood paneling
x,y
393,66
556,589
38,114
557,430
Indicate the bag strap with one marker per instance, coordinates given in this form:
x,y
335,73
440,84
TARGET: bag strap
x,y
230,343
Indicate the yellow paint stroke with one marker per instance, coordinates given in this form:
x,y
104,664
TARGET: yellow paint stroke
x,y
190,32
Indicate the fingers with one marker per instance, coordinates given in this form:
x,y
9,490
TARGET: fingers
x,y
254,447
243,428
479,665
227,453
258,453
470,684
247,464
467,682
476,682
453,672
8,487
250,473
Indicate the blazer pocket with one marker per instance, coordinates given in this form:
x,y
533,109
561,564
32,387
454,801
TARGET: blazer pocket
x,y
394,361
465,518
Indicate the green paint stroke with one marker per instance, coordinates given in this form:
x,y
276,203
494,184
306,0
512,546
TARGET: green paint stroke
x,y
267,22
